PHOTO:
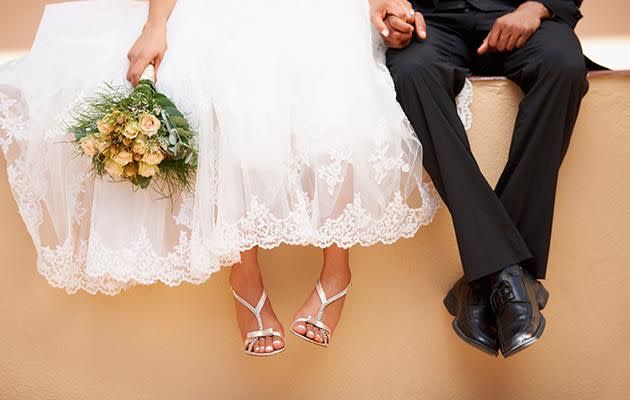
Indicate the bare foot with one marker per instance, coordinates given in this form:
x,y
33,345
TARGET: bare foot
x,y
334,279
247,283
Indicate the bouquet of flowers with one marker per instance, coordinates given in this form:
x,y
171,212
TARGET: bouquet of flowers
x,y
137,136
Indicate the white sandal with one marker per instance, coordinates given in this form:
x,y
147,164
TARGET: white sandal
x,y
326,331
252,337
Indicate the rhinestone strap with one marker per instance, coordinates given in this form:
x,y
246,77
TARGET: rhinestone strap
x,y
326,302
254,310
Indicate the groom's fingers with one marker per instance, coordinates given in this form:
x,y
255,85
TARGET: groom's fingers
x,y
399,25
421,26
491,41
483,49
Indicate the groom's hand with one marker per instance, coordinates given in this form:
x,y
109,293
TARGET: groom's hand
x,y
513,30
401,32
380,10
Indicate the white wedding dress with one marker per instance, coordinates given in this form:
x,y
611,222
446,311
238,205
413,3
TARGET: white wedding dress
x,y
301,140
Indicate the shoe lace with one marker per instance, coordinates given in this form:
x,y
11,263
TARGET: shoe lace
x,y
501,295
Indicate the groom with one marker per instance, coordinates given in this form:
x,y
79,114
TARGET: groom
x,y
503,234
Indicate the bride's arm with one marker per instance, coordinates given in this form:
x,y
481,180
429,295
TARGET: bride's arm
x,y
151,45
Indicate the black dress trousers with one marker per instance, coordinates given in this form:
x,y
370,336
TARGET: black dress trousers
x,y
511,223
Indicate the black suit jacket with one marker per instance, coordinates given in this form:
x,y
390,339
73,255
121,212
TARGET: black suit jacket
x,y
566,10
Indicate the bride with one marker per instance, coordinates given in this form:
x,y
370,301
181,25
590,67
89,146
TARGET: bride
x,y
301,141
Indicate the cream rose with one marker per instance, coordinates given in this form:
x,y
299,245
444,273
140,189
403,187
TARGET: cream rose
x,y
147,170
149,124
101,145
113,168
153,158
88,145
120,118
140,144
104,126
123,158
131,130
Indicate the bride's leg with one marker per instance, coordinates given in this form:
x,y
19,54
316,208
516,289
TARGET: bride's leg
x,y
246,280
335,276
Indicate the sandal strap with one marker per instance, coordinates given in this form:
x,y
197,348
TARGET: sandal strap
x,y
311,321
253,336
264,333
254,310
327,301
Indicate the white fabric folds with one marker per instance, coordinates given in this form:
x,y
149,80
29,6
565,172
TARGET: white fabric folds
x,y
301,140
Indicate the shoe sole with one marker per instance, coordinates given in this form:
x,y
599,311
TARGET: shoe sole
x,y
273,353
450,302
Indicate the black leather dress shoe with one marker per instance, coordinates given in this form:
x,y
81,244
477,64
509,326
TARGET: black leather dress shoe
x,y
516,300
474,320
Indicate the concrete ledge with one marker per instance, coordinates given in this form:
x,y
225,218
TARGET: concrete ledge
x,y
395,341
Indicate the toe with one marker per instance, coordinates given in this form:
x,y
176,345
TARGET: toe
x,y
268,345
300,327
277,343
310,332
318,335
260,345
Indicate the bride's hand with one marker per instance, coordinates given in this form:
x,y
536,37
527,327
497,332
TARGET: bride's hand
x,y
148,49
380,9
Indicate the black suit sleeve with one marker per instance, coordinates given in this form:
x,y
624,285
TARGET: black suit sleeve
x,y
566,10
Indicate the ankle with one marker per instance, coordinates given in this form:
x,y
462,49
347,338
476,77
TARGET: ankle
x,y
247,282
337,276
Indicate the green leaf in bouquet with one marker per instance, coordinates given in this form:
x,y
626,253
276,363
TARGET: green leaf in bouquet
x,y
184,133
175,149
179,121
172,112
164,102
141,181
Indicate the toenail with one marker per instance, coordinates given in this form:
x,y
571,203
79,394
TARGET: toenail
x,y
268,349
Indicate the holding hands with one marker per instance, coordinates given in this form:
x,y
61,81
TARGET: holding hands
x,y
396,21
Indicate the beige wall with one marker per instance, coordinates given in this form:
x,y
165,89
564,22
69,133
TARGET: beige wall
x,y
395,341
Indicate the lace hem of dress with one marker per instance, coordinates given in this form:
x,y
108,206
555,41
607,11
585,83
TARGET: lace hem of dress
x,y
64,266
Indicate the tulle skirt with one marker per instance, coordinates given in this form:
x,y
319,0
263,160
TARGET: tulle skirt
x,y
301,140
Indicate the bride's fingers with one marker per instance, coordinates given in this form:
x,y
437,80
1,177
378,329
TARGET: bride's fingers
x,y
156,63
407,9
399,10
136,69
378,20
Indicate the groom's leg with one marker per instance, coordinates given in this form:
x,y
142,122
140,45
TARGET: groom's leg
x,y
428,75
551,71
